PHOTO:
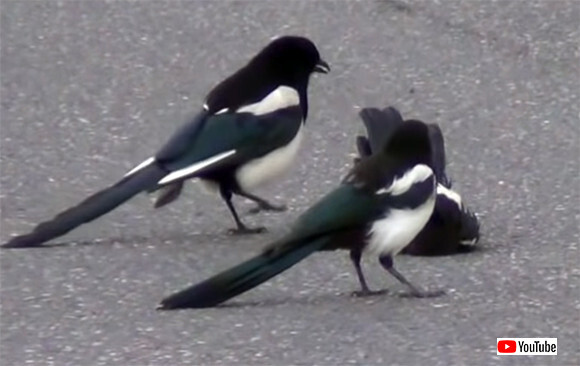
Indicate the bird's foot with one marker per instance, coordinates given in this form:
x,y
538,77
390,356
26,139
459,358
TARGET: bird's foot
x,y
244,230
424,294
367,293
267,207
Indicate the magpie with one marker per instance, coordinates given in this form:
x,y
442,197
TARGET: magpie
x,y
247,132
452,228
378,208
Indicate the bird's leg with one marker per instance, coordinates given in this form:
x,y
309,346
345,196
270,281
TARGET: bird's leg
x,y
263,205
355,257
241,228
387,263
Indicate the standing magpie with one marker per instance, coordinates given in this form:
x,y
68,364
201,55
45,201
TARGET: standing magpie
x,y
452,228
379,207
248,131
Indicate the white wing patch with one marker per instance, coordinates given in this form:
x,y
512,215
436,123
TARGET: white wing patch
x,y
452,195
140,166
176,175
269,166
282,97
401,185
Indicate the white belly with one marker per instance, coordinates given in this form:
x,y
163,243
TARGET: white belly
x,y
270,166
394,232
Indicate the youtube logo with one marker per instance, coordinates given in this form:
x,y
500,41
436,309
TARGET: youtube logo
x,y
506,346
527,346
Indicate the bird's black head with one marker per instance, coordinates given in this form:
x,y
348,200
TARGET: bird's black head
x,y
288,60
410,142
291,60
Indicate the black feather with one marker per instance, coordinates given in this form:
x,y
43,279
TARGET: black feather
x,y
380,125
438,154
169,193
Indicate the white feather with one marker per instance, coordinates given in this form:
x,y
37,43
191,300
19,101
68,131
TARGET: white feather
x,y
147,162
396,230
469,241
452,195
178,174
401,185
282,97
269,166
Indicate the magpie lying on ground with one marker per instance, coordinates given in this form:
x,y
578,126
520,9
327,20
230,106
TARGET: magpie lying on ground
x,y
452,228
380,206
248,132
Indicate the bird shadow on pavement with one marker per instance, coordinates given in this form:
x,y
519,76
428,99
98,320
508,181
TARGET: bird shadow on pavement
x,y
334,298
210,238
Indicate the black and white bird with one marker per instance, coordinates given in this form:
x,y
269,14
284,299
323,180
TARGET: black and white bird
x,y
379,208
248,132
452,228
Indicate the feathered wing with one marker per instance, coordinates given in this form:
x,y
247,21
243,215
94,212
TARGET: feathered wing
x,y
454,216
363,147
438,154
230,140
380,125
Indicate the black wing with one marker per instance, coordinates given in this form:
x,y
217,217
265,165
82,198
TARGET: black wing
x,y
229,140
380,125
438,154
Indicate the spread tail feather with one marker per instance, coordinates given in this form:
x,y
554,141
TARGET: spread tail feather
x,y
242,277
91,208
380,125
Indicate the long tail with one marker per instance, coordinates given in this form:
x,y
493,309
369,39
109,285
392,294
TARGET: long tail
x,y
91,208
242,277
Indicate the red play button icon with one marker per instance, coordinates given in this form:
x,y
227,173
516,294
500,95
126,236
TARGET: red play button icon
x,y
506,346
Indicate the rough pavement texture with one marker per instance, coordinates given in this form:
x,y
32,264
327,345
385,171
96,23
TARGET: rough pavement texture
x,y
91,88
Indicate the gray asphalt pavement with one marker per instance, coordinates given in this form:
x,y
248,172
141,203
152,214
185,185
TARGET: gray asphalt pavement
x,y
89,89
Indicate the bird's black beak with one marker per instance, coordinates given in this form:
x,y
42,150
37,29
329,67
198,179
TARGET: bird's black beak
x,y
322,67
